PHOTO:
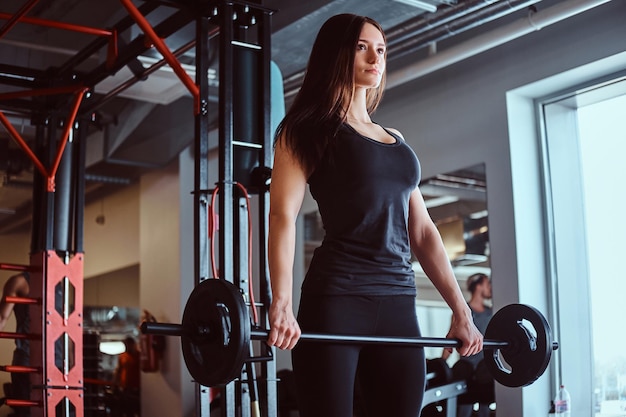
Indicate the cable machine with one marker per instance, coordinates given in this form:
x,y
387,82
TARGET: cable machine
x,y
62,100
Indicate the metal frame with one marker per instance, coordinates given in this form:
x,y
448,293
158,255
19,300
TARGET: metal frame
x,y
58,261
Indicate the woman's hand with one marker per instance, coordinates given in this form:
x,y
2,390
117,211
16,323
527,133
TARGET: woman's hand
x,y
284,329
462,328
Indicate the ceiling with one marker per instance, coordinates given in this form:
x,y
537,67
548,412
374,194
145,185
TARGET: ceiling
x,y
142,115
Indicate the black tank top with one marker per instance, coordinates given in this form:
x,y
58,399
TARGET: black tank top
x,y
362,188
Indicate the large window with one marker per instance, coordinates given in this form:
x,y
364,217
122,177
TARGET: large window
x,y
585,149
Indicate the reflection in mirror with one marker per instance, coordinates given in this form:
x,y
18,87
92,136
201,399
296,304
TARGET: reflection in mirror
x,y
457,203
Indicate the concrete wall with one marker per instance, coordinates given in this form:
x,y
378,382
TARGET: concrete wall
x,y
114,243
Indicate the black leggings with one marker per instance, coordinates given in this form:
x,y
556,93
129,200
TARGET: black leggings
x,y
390,379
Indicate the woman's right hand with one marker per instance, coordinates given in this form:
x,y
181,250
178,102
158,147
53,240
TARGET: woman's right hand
x,y
284,329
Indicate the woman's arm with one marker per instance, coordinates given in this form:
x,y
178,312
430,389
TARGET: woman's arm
x,y
16,286
428,247
286,194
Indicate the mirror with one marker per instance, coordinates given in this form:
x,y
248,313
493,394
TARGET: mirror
x,y
457,203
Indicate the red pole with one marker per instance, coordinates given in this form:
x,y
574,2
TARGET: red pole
x,y
17,369
60,25
66,134
17,16
164,50
20,336
22,403
14,267
40,92
21,300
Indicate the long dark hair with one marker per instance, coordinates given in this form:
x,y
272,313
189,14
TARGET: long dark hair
x,y
317,111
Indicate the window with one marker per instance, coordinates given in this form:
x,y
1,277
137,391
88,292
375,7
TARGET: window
x,y
584,148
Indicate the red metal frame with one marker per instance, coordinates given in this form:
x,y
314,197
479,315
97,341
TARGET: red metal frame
x,y
55,385
50,175
58,25
21,336
21,300
22,403
14,267
20,17
17,369
17,16
147,29
51,385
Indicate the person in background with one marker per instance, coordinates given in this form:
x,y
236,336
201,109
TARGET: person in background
x,y
365,179
479,286
18,286
127,378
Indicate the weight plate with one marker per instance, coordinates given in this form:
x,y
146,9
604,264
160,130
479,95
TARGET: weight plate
x,y
216,339
438,372
529,348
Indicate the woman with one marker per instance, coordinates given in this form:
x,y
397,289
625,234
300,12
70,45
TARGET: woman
x,y
364,179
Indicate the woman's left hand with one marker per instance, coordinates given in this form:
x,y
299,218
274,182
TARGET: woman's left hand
x,y
463,329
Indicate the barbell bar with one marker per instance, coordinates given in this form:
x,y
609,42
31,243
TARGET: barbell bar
x,y
172,329
216,333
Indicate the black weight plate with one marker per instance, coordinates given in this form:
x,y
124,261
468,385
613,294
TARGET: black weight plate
x,y
438,372
215,356
529,337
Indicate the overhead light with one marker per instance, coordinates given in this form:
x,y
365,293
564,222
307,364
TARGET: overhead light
x,y
115,347
420,5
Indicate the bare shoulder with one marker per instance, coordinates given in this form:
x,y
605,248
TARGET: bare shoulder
x,y
16,285
395,132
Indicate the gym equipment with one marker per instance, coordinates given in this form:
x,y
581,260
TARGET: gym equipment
x,y
216,333
20,336
531,345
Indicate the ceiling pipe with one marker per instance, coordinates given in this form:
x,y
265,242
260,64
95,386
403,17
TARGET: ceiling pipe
x,y
460,25
416,33
425,22
497,37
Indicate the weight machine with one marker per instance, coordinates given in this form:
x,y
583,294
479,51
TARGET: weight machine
x,y
245,155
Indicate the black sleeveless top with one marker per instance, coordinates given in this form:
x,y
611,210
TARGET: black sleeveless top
x,y
362,188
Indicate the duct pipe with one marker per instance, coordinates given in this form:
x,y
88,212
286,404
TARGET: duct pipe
x,y
460,25
497,37
417,33
426,22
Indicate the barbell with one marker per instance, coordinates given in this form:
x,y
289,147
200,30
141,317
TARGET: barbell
x,y
216,333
